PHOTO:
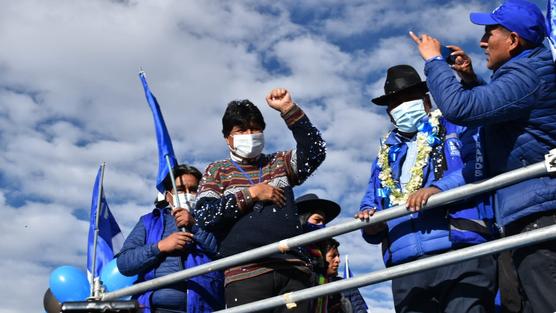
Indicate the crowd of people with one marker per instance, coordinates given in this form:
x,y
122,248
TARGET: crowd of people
x,y
479,130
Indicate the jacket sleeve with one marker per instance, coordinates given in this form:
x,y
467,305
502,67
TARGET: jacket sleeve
x,y
509,96
136,257
205,240
370,201
310,149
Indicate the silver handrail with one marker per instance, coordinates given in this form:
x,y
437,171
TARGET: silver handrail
x,y
443,198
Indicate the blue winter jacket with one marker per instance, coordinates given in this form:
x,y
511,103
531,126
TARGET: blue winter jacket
x,y
518,111
140,255
444,228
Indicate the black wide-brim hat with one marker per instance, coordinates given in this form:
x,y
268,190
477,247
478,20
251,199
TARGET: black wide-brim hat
x,y
400,78
311,202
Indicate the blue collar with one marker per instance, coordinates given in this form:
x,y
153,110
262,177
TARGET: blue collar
x,y
522,55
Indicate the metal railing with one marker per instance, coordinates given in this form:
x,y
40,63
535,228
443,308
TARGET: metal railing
x,y
290,299
440,199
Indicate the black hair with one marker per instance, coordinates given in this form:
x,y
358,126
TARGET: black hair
x,y
331,243
244,114
181,169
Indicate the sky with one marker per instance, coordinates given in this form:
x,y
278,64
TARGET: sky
x,y
70,98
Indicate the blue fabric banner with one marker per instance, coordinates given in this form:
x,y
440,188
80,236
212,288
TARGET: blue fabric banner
x,y
110,237
165,147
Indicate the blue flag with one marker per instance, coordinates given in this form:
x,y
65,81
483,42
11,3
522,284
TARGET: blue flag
x,y
551,26
347,275
110,238
162,137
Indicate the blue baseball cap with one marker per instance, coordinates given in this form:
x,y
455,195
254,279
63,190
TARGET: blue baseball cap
x,y
519,16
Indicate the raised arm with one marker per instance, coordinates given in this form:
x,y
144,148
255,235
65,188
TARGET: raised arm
x,y
310,149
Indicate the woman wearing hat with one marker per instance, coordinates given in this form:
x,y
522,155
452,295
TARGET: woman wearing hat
x,y
315,213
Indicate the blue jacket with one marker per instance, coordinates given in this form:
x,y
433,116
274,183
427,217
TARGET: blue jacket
x,y
140,255
518,111
436,230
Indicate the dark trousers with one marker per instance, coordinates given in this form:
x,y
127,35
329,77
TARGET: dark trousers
x,y
536,266
469,286
268,285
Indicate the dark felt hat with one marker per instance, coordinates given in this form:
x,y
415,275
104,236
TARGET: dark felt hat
x,y
310,202
400,78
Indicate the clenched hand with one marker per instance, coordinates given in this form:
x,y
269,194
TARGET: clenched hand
x,y
280,100
175,242
266,192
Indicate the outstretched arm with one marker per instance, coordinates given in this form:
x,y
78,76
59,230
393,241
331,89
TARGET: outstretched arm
x,y
310,149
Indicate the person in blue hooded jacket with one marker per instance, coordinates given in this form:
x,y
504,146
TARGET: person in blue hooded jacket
x,y
425,154
517,110
156,247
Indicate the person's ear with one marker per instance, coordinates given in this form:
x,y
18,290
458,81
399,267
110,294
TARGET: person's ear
x,y
514,45
229,141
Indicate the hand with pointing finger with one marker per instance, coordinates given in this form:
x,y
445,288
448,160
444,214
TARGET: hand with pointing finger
x,y
429,47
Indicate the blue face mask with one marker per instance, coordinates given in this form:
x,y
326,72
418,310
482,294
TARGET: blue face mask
x,y
408,115
308,227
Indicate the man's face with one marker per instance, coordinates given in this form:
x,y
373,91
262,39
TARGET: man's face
x,y
237,130
316,218
402,97
333,259
185,183
497,45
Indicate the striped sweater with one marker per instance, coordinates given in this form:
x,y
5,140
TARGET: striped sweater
x,y
225,207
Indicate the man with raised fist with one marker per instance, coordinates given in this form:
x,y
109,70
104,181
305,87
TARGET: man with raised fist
x,y
247,200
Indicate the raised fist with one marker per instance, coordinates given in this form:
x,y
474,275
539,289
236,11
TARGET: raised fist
x,y
280,100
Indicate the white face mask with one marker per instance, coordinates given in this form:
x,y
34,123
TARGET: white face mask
x,y
408,115
248,146
187,200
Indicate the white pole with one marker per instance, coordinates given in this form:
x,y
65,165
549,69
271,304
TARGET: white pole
x,y
95,287
347,268
173,179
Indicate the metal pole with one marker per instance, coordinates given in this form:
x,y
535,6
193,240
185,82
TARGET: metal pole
x,y
95,287
289,299
175,195
446,197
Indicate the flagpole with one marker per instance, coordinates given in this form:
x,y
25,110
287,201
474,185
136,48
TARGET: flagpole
x,y
347,268
95,288
175,197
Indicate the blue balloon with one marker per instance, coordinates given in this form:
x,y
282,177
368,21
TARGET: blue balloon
x,y
69,283
112,279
